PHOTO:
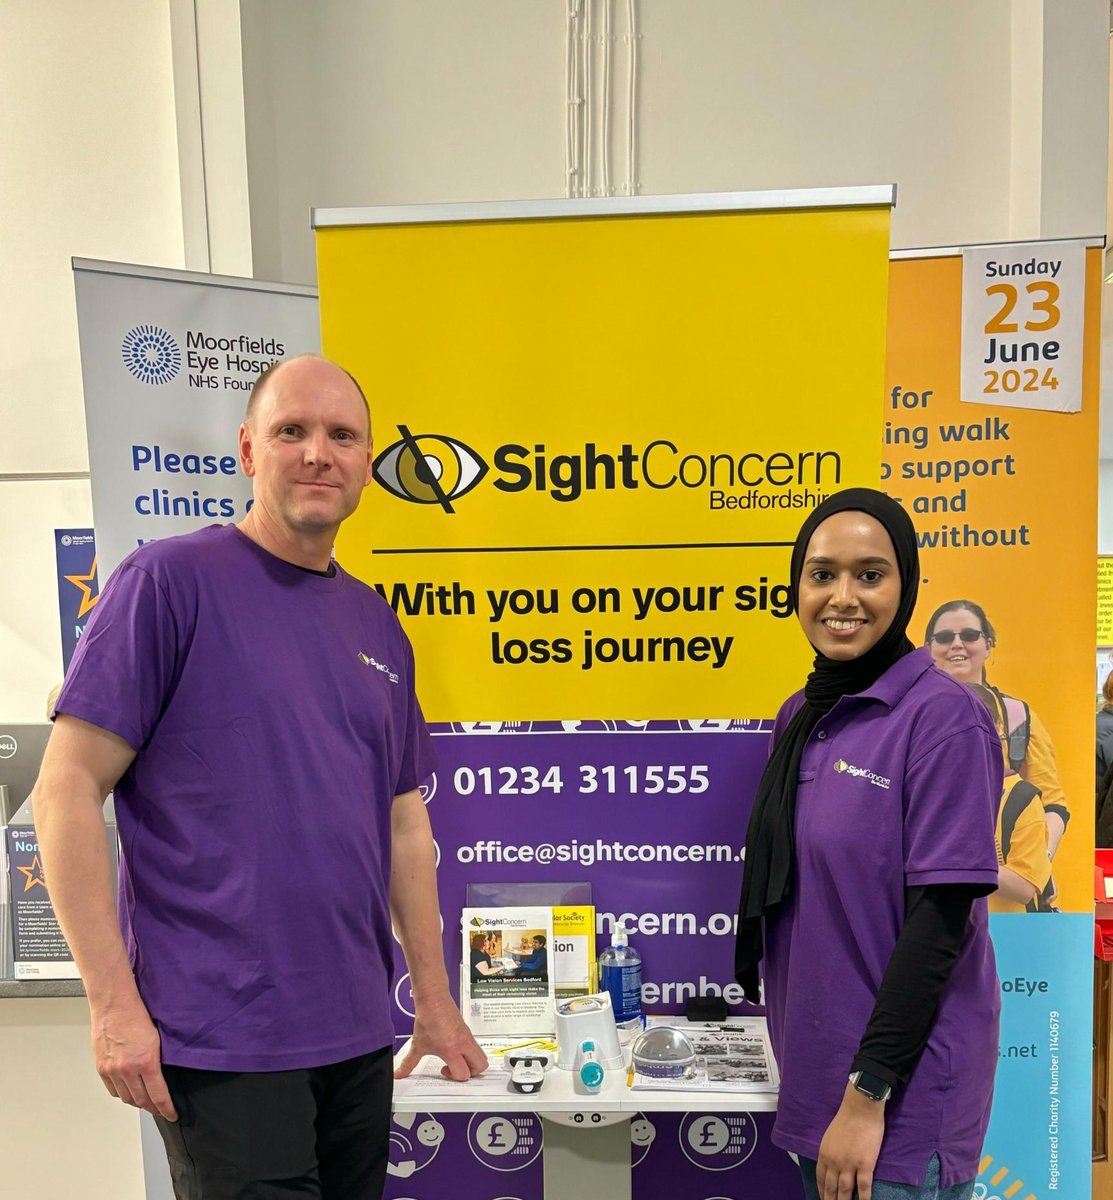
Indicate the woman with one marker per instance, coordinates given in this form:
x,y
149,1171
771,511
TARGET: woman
x,y
1105,732
482,946
961,639
868,851
1024,867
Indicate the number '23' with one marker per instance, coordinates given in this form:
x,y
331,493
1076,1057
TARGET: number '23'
x,y
1048,306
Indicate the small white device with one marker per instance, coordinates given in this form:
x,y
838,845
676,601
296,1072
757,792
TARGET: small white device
x,y
587,1019
527,1070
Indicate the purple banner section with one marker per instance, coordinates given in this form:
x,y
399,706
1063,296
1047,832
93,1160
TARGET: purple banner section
x,y
652,814
468,1156
705,1155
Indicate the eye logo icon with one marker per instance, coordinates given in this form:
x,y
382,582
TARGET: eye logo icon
x,y
429,468
841,765
151,354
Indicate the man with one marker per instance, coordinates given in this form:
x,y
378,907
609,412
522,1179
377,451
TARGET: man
x,y
253,708
536,963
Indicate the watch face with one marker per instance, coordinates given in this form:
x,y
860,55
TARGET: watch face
x,y
871,1085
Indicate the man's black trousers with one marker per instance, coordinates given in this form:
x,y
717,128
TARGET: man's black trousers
x,y
322,1132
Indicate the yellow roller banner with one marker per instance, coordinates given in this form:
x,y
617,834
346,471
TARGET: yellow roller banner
x,y
595,439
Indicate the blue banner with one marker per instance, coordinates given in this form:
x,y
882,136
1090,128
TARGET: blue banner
x,y
75,553
1038,1144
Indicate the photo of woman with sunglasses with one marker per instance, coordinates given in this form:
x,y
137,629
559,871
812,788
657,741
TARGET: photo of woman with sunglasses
x,y
961,638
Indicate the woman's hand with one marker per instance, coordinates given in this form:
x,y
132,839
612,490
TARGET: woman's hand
x,y
849,1150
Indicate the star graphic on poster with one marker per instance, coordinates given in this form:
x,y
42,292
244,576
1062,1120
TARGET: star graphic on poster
x,y
85,585
34,874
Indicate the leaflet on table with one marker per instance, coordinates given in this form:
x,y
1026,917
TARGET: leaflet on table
x,y
573,950
427,1080
507,985
733,1056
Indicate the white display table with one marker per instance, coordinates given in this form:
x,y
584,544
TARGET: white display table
x,y
587,1141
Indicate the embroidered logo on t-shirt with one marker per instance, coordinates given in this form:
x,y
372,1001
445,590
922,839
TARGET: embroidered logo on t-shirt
x,y
845,768
368,661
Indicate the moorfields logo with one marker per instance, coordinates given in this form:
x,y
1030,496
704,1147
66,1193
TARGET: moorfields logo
x,y
429,468
151,354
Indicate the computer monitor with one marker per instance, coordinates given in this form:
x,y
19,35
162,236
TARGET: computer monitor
x,y
21,752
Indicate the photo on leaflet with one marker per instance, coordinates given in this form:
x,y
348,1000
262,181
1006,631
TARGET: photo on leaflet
x,y
504,962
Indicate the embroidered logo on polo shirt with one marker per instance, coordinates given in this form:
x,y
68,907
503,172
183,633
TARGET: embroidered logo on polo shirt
x,y
368,661
845,768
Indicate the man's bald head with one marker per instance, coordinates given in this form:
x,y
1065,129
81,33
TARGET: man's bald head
x,y
261,384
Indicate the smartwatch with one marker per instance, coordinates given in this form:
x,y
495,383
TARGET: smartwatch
x,y
869,1085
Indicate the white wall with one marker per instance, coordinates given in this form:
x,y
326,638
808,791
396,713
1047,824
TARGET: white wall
x,y
353,103
90,168
61,1135
799,94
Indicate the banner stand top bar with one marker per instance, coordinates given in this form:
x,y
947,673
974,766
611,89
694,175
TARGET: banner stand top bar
x,y
101,267
1091,241
874,196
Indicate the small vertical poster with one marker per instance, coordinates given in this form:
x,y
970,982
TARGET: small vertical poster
x,y
573,950
40,950
1105,600
75,553
1023,309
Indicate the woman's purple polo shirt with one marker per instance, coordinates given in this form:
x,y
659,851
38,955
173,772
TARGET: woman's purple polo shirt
x,y
899,786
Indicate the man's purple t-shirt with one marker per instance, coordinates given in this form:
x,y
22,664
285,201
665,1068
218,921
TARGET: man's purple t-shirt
x,y
274,718
899,787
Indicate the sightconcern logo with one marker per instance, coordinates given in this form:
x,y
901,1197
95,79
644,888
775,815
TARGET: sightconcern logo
x,y
429,468
845,768
370,661
433,468
151,354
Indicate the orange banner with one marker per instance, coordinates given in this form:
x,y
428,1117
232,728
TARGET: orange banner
x,y
1005,500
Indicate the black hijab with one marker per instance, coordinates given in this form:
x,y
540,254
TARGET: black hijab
x,y
770,838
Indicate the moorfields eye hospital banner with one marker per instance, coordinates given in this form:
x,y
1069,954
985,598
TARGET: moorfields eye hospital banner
x,y
168,359
598,428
